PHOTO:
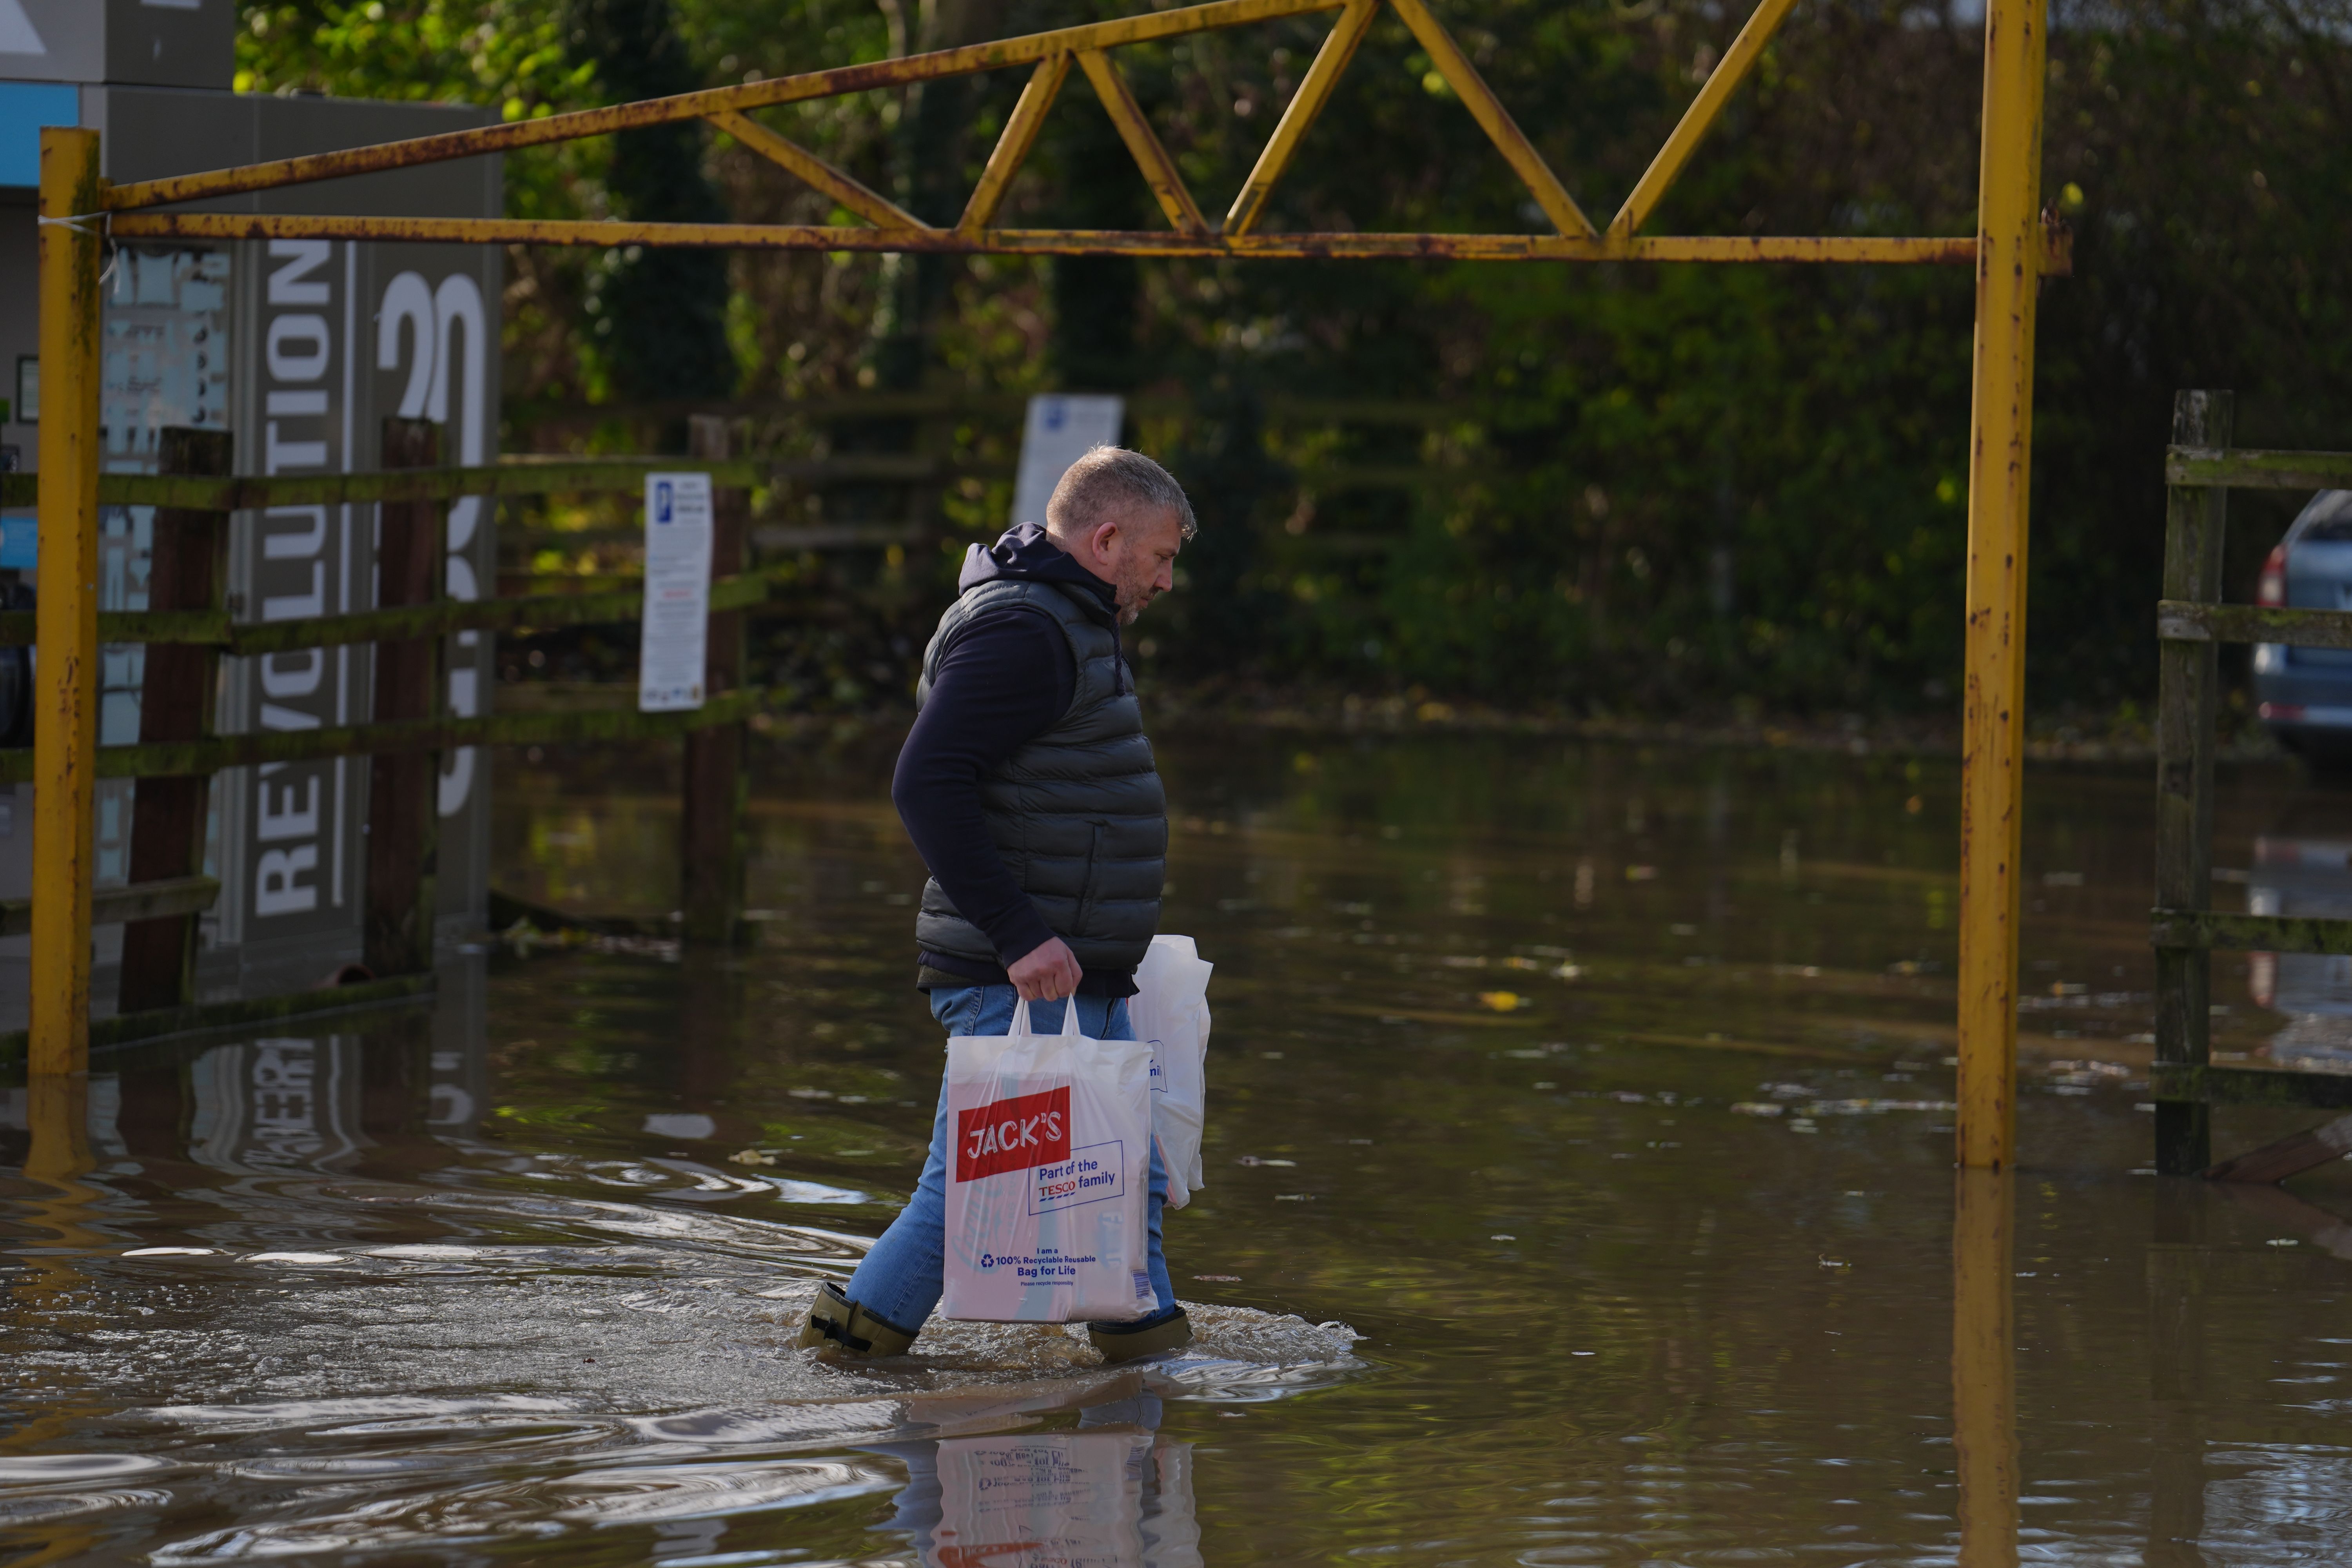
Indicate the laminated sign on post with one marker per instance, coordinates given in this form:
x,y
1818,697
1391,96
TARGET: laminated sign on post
x,y
677,591
1060,430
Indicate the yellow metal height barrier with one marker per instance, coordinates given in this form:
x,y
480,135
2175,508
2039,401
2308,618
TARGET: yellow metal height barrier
x,y
2013,247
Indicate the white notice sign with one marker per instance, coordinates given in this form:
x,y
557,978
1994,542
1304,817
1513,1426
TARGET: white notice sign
x,y
1060,430
677,591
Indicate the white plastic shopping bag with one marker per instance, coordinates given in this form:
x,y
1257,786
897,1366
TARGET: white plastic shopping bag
x,y
1170,1010
1047,1167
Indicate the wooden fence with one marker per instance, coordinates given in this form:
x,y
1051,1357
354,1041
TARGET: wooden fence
x,y
2200,471
190,625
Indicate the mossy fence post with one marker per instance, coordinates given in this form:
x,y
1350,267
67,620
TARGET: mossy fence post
x,y
710,817
403,821
2195,520
186,571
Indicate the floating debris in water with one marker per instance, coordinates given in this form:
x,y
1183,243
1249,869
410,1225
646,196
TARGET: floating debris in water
x,y
1294,1197
751,1157
1219,1279
1757,1108
1833,1263
1505,1001
2086,1073
1254,1159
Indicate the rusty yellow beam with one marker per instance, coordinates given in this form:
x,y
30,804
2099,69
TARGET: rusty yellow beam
x,y
1848,248
1020,128
1700,117
65,677
1160,171
1314,92
1496,121
866,203
1027,50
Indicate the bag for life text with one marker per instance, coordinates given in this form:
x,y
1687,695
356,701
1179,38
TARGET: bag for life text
x,y
1047,1169
1170,1010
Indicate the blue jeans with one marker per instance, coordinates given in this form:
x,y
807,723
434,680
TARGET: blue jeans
x,y
899,1282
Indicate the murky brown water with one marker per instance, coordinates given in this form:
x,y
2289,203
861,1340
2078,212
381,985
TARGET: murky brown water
x,y
1601,1092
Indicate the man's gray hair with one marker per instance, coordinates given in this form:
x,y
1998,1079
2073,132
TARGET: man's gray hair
x,y
1105,485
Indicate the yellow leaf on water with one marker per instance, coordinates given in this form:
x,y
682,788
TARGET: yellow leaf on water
x,y
1502,1001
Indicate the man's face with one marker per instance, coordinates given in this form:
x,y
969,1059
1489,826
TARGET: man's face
x,y
1137,556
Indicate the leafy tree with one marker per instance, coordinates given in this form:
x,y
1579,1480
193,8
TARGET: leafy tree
x,y
1654,487
661,310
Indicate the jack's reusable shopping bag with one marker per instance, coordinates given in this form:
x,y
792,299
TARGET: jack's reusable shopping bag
x,y
1170,1010
1047,1175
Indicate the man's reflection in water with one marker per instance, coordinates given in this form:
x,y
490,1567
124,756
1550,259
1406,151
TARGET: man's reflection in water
x,y
1112,1494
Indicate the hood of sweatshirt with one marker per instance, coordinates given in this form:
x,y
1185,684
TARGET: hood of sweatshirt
x,y
1026,555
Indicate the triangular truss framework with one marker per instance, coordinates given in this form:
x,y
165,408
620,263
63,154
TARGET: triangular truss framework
x,y
889,228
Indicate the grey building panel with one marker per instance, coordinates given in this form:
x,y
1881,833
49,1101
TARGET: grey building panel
x,y
317,404
54,40
290,127
152,134
171,43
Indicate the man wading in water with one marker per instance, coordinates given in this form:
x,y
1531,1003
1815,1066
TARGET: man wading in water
x,y
1028,787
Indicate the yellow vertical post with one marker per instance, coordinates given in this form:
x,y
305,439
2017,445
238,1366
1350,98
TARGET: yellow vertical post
x,y
1992,782
65,683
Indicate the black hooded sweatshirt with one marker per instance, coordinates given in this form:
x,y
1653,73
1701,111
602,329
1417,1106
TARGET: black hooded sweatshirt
x,y
1006,677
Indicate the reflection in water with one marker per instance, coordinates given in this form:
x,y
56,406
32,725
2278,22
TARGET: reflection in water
x,y
1112,1492
1604,1093
2304,875
1984,1365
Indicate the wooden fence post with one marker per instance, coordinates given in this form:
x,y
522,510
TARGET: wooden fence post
x,y
2194,523
711,819
177,703
403,824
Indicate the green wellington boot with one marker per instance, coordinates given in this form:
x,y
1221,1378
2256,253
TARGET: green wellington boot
x,y
835,1318
1129,1342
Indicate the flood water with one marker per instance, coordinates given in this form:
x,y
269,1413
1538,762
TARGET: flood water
x,y
1579,1191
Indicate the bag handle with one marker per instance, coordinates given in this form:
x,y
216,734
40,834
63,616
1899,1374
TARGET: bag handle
x,y
1070,1030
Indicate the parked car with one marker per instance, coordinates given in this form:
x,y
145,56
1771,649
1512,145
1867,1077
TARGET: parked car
x,y
2305,870
2304,694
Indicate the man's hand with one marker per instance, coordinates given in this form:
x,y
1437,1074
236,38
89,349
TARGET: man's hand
x,y
1048,973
